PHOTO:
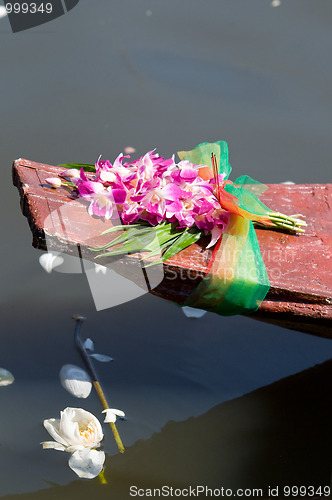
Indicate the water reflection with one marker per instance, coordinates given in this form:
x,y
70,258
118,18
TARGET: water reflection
x,y
275,436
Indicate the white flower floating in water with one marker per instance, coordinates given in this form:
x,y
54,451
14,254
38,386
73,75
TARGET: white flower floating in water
x,y
78,432
75,380
111,414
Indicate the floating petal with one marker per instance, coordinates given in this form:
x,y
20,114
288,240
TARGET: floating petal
x,y
52,445
6,378
100,269
87,463
193,312
111,414
103,358
76,381
89,345
3,11
50,260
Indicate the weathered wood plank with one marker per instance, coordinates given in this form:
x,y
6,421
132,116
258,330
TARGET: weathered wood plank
x,y
299,266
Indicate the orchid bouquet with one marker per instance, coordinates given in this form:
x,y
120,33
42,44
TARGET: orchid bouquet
x,y
164,206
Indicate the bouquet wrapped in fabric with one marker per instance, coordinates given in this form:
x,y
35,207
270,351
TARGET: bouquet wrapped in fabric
x,y
162,207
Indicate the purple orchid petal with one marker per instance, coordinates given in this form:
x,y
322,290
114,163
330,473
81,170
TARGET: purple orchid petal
x,y
173,192
86,188
188,174
152,219
119,195
173,207
215,235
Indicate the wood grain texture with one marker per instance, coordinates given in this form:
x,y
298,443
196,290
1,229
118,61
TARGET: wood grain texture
x,y
299,266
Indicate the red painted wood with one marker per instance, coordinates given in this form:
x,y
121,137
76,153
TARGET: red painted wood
x,y
299,266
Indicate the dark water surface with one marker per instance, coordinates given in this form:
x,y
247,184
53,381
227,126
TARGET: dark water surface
x,y
165,74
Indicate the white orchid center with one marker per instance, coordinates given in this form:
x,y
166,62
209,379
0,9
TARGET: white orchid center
x,y
87,432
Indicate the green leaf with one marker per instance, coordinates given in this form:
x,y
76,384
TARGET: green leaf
x,y
186,239
132,231
164,236
133,241
159,261
121,227
157,251
153,239
87,167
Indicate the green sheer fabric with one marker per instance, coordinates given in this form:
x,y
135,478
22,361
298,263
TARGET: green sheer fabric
x,y
237,282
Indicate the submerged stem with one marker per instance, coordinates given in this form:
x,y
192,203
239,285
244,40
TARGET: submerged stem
x,y
79,320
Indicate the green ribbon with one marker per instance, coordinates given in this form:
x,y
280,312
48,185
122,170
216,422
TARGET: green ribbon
x,y
237,282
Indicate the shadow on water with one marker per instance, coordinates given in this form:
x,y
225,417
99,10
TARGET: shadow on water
x,y
279,435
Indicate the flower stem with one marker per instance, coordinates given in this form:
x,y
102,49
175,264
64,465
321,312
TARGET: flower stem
x,y
79,320
102,478
292,223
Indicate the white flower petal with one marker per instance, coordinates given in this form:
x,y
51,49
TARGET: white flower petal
x,y
89,345
87,463
101,357
6,378
80,427
100,269
110,417
52,427
50,260
3,11
75,380
69,427
111,414
192,312
48,445
76,447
